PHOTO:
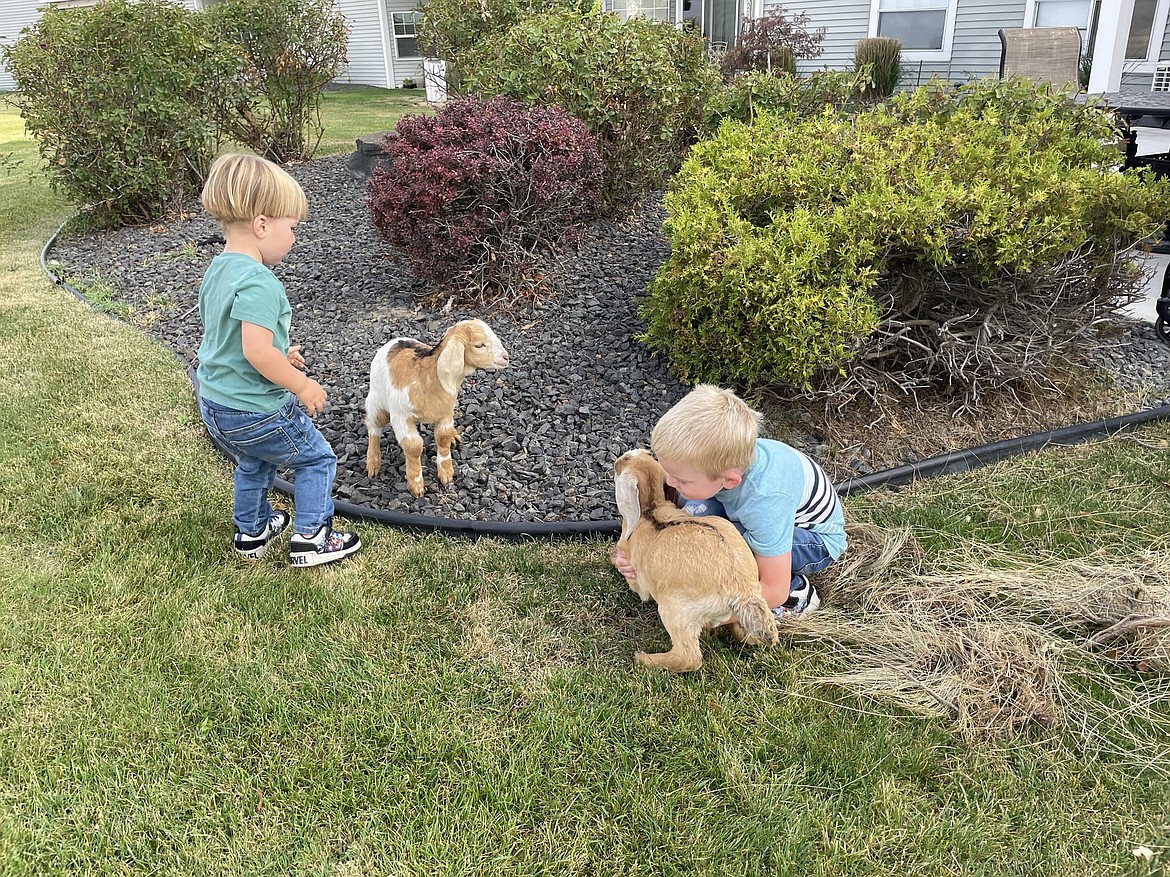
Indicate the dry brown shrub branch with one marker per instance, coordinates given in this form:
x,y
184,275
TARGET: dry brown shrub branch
x,y
948,330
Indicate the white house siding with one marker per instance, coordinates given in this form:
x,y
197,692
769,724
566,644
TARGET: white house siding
x,y
403,68
367,53
17,15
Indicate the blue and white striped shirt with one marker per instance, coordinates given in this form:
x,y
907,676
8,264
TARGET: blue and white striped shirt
x,y
781,490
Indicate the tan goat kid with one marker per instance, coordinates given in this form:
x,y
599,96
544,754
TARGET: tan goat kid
x,y
413,383
700,571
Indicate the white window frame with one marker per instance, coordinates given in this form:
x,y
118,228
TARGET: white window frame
x,y
1132,65
624,12
943,54
395,36
1030,14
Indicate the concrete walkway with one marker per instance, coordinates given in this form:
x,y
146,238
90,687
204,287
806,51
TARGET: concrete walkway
x,y
1151,141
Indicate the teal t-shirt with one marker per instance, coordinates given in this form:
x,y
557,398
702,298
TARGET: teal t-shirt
x,y
783,489
237,289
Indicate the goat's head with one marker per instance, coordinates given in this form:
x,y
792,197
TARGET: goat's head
x,y
639,484
468,345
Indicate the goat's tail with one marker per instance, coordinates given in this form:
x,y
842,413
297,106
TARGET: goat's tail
x,y
755,620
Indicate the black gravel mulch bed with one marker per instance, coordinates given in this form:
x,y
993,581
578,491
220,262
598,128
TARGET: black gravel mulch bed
x,y
539,438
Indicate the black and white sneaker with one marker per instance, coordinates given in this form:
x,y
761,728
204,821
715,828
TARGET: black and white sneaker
x,y
802,600
325,546
253,547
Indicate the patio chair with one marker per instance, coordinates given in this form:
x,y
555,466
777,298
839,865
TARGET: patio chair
x,y
1046,55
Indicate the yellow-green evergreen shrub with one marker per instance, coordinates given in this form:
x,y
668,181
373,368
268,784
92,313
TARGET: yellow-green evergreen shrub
x,y
924,238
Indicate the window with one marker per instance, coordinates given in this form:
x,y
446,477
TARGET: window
x,y
1063,13
1145,30
405,25
660,10
925,27
1141,28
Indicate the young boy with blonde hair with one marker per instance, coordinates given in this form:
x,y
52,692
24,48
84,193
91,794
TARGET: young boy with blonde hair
x,y
250,379
780,499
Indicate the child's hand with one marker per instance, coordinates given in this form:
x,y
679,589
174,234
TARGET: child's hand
x,y
296,360
312,397
623,565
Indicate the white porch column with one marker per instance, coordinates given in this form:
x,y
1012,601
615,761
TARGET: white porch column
x,y
1109,46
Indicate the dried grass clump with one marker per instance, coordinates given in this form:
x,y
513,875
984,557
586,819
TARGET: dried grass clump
x,y
998,646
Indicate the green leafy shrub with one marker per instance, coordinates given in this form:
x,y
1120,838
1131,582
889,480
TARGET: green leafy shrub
x,y
749,93
882,58
475,195
772,44
638,85
852,253
452,28
118,98
288,51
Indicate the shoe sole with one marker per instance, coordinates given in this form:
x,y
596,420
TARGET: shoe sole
x,y
314,558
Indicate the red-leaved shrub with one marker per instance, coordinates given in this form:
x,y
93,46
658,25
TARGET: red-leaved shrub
x,y
474,196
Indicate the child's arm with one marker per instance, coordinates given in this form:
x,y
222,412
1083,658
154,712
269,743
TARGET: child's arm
x,y
278,368
623,565
775,577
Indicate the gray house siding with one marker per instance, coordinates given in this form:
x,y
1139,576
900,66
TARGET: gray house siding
x,y
844,22
974,51
975,48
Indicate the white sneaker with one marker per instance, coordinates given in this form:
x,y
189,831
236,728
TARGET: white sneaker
x,y
803,600
253,547
325,546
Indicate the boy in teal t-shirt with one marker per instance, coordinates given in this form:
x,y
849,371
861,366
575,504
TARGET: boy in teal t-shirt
x,y
250,379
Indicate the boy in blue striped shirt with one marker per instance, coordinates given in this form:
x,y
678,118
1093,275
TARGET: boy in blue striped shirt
x,y
780,499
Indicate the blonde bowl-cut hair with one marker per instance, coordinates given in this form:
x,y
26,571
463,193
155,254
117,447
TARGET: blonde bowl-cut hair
x,y
711,429
241,187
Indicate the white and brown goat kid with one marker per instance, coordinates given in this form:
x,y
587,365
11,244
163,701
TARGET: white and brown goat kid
x,y
412,383
700,571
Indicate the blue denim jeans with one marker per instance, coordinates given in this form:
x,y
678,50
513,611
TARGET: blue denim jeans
x,y
809,554
262,443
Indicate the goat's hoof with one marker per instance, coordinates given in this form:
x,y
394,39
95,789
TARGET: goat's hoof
x,y
416,488
372,471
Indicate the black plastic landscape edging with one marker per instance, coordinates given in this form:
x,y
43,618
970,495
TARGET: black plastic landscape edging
x,y
952,463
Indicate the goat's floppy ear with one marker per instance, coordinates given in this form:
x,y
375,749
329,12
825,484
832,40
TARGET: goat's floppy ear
x,y
450,366
625,491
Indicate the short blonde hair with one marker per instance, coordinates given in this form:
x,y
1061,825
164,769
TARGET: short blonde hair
x,y
711,429
241,187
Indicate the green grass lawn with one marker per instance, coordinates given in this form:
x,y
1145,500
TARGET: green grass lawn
x,y
354,111
434,705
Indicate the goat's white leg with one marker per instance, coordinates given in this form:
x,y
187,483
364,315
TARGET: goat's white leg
x,y
376,420
446,435
412,445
